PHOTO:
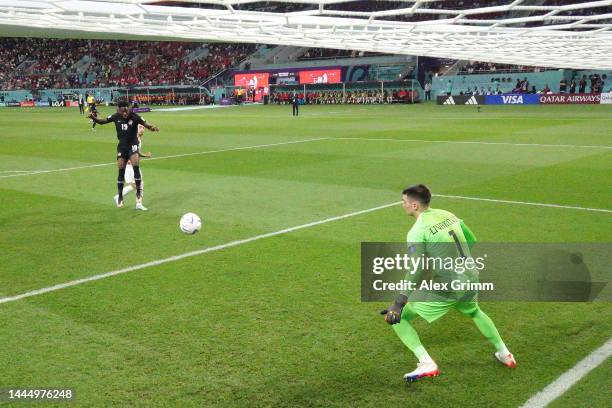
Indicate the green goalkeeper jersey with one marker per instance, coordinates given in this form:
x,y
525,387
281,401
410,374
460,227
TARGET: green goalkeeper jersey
x,y
444,240
439,228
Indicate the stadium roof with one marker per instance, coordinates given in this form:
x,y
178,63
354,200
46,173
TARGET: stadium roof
x,y
565,34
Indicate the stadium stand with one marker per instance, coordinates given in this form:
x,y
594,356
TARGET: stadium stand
x,y
536,82
31,63
473,67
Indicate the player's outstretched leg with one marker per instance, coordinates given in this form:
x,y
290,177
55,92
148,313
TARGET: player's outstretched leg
x,y
138,181
488,329
120,181
426,367
126,190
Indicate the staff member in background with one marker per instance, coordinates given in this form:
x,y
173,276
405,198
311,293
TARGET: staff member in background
x,y
295,102
582,84
81,104
91,102
428,91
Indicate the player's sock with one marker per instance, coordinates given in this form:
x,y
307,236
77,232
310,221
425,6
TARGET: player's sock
x,y
138,181
411,339
120,179
488,329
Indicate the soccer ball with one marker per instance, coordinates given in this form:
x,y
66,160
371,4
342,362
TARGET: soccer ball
x,y
190,223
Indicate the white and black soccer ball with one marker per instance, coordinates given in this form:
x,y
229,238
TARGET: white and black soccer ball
x,y
190,223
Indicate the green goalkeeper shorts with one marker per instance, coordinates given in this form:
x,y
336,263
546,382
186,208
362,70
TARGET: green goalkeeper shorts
x,y
432,311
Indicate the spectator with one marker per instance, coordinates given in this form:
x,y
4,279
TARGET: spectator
x,y
428,91
32,63
582,84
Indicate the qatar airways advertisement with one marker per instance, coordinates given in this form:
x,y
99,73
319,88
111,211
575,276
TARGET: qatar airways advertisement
x,y
322,76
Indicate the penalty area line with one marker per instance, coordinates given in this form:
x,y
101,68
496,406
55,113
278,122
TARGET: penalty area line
x,y
231,244
494,200
477,142
566,380
259,237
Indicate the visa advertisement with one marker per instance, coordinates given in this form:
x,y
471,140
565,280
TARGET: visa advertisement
x,y
512,99
527,99
321,76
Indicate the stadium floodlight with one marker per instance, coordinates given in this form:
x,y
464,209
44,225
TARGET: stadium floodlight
x,y
564,35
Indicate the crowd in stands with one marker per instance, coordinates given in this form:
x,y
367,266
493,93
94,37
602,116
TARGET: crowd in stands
x,y
326,53
595,83
32,63
349,97
583,11
477,67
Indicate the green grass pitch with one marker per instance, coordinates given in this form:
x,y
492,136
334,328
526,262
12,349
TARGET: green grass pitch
x,y
278,321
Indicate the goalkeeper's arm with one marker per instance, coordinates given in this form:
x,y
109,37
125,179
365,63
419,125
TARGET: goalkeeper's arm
x,y
393,313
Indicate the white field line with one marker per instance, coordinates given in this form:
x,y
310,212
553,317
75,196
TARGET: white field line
x,y
432,118
494,200
262,236
474,142
570,377
186,255
33,172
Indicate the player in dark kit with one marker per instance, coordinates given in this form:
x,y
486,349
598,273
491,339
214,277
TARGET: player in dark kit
x,y
295,102
126,123
94,113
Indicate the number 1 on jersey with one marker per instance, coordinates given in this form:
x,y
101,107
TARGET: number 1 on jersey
x,y
457,243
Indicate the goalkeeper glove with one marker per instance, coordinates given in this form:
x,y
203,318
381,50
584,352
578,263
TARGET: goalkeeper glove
x,y
393,313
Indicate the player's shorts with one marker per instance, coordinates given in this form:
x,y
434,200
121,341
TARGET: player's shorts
x,y
432,311
125,152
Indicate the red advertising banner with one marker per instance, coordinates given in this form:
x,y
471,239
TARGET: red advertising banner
x,y
252,80
256,81
26,103
582,99
321,76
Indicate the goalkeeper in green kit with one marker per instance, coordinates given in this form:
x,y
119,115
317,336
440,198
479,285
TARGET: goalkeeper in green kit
x,y
434,235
